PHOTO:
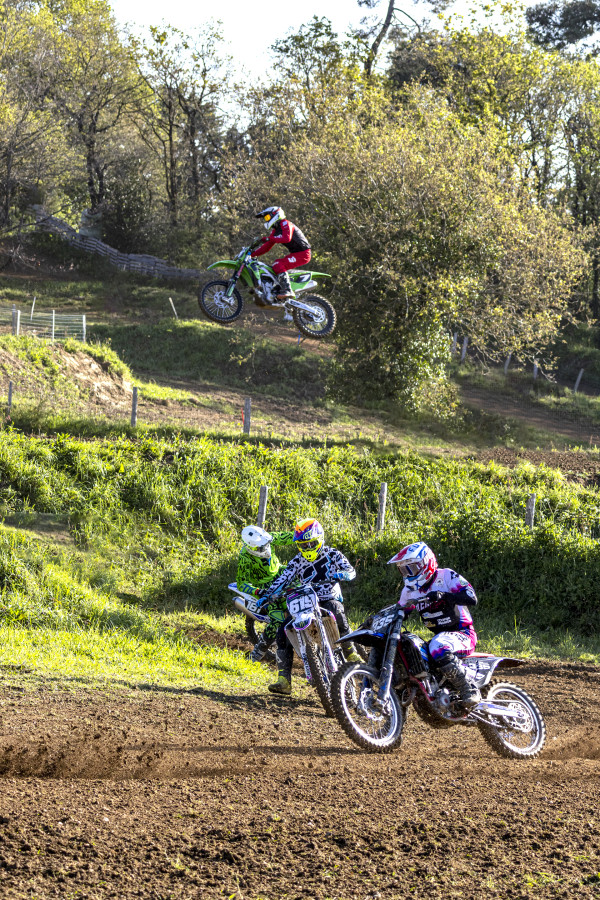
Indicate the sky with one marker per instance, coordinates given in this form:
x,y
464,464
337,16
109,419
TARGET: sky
x,y
251,27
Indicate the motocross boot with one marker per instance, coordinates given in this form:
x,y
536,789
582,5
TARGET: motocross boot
x,y
261,648
285,285
467,691
283,686
351,654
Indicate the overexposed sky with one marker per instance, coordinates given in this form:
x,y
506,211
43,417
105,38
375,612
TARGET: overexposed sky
x,y
251,26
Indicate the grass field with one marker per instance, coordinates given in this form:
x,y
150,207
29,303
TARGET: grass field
x,y
118,542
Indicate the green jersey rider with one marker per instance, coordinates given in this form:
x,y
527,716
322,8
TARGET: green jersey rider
x,y
257,568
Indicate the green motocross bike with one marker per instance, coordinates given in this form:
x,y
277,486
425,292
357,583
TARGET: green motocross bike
x,y
222,302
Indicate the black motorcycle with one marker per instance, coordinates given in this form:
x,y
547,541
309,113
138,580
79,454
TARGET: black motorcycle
x,y
371,701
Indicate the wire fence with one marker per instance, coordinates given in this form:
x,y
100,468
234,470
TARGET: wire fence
x,y
50,325
139,263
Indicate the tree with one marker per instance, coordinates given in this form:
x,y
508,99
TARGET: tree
x,y
426,227
561,23
375,30
186,78
35,162
91,81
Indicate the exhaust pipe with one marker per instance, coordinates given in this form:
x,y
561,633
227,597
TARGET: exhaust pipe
x,y
239,604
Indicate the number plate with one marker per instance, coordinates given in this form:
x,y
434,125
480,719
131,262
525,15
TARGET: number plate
x,y
383,619
300,603
252,606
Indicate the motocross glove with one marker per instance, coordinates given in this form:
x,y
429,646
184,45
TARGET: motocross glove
x,y
435,600
341,576
247,588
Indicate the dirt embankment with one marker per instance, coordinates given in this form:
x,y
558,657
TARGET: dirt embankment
x,y
196,794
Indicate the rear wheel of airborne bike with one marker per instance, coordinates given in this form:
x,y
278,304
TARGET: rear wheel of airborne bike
x,y
372,726
320,676
520,737
216,305
320,321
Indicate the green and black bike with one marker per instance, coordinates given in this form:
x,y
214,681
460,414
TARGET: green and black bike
x,y
222,302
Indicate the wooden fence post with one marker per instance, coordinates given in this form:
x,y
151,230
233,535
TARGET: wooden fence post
x,y
134,405
530,510
381,510
578,382
535,371
14,318
247,414
262,504
507,363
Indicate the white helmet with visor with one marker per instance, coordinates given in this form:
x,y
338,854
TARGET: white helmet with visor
x,y
257,541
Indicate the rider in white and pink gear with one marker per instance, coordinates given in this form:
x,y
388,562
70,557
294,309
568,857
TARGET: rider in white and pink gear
x,y
442,598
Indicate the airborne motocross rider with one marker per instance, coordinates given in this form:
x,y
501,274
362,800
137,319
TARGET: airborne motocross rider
x,y
257,567
441,596
324,567
282,231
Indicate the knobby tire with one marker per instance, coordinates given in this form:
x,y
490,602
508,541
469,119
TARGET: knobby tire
x,y
337,690
493,736
317,671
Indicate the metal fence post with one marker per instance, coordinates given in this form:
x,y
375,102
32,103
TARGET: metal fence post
x,y
507,363
83,329
173,307
32,309
530,510
14,318
381,510
53,324
247,414
535,371
262,504
134,405
18,323
578,382
464,349
10,398
454,340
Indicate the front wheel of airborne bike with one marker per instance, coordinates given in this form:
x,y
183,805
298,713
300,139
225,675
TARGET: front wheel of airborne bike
x,y
372,726
320,321
320,677
519,736
217,306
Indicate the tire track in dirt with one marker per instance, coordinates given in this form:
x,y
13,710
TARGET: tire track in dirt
x,y
199,794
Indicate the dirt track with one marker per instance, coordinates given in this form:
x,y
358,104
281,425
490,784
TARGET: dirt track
x,y
179,794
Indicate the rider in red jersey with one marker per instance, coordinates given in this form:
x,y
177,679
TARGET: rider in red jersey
x,y
282,231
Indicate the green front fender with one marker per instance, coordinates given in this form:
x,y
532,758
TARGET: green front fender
x,y
232,264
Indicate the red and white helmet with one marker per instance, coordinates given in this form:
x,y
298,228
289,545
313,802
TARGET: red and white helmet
x,y
271,216
417,564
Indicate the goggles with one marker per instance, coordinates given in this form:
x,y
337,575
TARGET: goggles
x,y
313,544
259,549
268,217
409,570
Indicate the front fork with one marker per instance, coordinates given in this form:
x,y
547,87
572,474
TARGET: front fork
x,y
387,669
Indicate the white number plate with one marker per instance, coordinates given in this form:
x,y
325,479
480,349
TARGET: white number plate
x,y
297,605
382,621
251,605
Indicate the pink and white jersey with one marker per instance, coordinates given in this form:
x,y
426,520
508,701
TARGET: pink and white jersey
x,y
447,612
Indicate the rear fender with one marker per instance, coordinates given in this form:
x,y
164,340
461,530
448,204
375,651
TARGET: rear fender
x,y
481,667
